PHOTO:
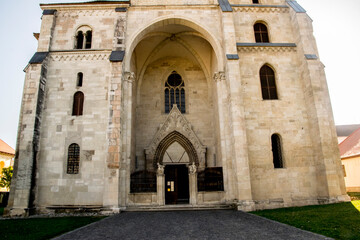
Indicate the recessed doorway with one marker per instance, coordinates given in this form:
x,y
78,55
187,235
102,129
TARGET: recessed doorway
x,y
176,184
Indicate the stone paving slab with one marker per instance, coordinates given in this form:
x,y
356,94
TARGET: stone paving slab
x,y
213,224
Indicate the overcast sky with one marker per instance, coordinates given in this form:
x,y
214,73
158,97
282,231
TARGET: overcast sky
x,y
336,29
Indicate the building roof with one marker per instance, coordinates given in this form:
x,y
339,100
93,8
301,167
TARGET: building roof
x,y
346,130
5,148
351,145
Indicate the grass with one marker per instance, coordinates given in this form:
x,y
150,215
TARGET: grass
x,y
41,228
339,221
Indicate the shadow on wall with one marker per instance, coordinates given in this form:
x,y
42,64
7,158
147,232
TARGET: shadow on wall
x,y
4,197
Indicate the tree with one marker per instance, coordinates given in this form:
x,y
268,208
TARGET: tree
x,y
6,176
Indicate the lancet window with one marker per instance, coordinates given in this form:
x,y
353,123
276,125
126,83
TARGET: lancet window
x,y
268,84
174,92
277,151
78,104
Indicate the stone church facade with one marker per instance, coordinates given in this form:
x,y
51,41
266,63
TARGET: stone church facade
x,y
201,103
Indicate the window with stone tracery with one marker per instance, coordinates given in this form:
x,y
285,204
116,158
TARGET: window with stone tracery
x,y
83,38
73,162
174,92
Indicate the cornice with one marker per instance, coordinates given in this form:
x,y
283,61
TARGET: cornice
x,y
87,12
266,47
64,7
67,56
261,8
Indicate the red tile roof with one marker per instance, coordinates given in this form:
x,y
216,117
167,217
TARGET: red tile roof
x,y
4,148
351,145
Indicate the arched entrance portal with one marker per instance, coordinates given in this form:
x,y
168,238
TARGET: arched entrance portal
x,y
172,103
176,161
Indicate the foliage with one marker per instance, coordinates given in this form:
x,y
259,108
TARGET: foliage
x,y
6,176
1,211
339,221
354,195
42,228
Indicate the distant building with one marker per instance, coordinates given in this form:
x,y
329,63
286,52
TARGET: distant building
x,y
7,155
343,131
350,158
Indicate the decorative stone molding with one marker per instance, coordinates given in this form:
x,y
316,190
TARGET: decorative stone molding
x,y
176,128
219,76
87,13
269,9
79,56
265,49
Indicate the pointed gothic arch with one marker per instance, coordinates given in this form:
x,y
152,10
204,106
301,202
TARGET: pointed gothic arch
x,y
176,129
172,137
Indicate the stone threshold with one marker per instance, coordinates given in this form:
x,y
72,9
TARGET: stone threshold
x,y
178,207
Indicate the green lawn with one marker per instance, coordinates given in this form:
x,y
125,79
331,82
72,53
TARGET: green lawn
x,y
41,228
339,221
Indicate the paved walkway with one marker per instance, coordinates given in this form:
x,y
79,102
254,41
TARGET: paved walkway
x,y
216,224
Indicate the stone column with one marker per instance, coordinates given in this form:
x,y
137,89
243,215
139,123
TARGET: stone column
x,y
193,184
127,113
160,185
222,101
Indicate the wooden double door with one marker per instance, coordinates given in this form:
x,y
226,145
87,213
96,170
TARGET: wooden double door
x,y
176,184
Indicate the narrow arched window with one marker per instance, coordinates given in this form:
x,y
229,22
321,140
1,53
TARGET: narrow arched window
x,y
261,33
276,151
256,1
73,161
174,92
78,104
268,85
88,38
79,80
83,37
79,40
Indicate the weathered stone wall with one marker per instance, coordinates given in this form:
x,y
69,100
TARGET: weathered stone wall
x,y
60,129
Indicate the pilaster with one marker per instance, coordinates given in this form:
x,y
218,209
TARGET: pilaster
x,y
23,187
236,135
46,31
126,130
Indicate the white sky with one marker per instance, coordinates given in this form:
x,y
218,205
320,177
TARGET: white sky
x,y
336,29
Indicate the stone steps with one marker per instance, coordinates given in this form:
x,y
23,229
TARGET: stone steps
x,y
178,207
